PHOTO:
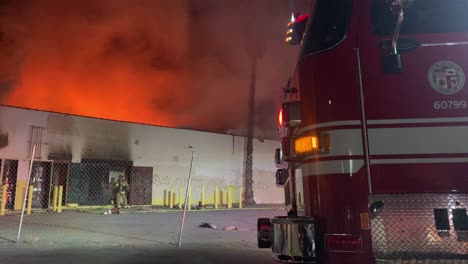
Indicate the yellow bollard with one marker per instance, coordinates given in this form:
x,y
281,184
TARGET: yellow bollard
x,y
216,198
181,200
59,202
54,206
189,200
3,204
171,198
203,195
240,197
229,196
30,197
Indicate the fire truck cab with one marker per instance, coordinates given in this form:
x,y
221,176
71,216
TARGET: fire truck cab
x,y
375,122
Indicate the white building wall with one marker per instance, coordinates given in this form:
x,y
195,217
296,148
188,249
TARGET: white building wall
x,y
265,189
17,123
218,159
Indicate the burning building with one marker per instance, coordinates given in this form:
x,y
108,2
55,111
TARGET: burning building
x,y
84,154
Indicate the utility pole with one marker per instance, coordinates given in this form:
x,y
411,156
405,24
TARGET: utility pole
x,y
248,194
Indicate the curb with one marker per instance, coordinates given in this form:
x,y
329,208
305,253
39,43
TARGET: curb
x,y
136,210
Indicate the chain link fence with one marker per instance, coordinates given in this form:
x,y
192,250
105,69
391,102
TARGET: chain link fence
x,y
98,201
89,181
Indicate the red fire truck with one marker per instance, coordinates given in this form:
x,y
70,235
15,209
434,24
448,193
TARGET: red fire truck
x,y
375,122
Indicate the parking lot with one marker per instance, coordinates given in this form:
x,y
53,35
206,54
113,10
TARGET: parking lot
x,y
82,237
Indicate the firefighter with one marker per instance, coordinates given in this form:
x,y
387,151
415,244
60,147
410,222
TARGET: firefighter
x,y
120,192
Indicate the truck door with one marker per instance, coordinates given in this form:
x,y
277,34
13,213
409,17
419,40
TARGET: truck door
x,y
417,118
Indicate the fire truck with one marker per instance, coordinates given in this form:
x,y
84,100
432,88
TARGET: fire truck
x,y
375,124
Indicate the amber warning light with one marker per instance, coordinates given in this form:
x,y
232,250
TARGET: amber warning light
x,y
306,144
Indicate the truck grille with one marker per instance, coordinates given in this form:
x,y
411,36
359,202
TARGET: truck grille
x,y
404,230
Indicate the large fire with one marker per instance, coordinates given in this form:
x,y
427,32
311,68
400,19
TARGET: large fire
x,y
171,63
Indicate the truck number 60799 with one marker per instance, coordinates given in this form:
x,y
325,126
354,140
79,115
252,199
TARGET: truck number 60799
x,y
441,105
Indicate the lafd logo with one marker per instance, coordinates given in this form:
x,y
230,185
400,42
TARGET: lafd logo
x,y
446,77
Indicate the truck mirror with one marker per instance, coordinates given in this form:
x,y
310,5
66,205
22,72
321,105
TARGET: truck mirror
x,y
282,177
278,157
393,62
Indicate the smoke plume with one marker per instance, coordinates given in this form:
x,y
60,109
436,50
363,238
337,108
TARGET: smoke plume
x,y
178,63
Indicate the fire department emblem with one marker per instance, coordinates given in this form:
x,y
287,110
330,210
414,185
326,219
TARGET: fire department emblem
x,y
446,77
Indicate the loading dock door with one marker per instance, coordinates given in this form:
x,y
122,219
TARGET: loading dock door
x,y
141,185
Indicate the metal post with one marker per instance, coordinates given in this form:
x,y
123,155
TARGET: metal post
x,y
54,205
293,191
171,198
51,183
67,186
25,194
189,200
186,201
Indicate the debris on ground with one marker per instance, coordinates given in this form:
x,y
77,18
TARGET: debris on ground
x,y
211,226
207,225
231,228
112,211
193,207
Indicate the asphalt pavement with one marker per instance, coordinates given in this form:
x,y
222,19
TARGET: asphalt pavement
x,y
77,237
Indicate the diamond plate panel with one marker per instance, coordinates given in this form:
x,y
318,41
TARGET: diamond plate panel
x,y
404,230
423,261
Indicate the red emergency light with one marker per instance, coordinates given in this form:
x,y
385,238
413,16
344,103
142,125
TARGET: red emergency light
x,y
280,117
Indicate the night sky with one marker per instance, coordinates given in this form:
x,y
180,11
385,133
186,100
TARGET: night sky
x,y
178,63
